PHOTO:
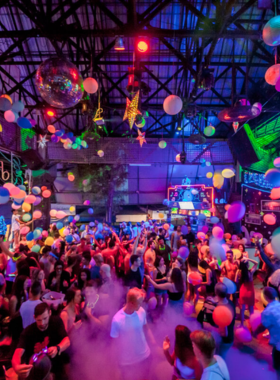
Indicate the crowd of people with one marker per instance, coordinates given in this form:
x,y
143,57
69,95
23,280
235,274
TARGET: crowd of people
x,y
119,283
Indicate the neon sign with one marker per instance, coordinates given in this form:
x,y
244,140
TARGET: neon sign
x,y
258,179
5,174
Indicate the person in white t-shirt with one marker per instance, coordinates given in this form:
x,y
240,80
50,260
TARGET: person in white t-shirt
x,y
214,367
128,328
16,223
27,308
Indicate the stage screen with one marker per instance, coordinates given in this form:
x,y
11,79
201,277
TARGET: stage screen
x,y
190,198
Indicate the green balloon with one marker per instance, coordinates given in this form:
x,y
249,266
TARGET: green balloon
x,y
36,248
26,217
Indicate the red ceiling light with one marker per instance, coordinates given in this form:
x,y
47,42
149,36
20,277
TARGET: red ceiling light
x,y
50,113
142,46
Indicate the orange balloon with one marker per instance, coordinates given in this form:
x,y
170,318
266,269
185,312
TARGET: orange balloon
x,y
195,278
7,97
53,213
227,236
222,316
166,226
44,188
26,207
227,207
37,214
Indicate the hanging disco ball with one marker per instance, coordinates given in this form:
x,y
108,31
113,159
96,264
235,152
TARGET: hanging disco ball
x,y
271,32
59,82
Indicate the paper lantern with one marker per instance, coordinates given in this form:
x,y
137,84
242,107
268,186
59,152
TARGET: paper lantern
x,y
87,203
26,207
231,286
255,320
5,104
273,176
172,105
77,217
209,130
60,214
49,241
24,123
228,173
100,153
30,199
90,211
271,32
177,158
209,175
166,226
24,230
69,239
72,209
37,214
222,316
195,278
26,217
162,144
46,193
59,225
218,180
36,190
236,211
188,308
218,233
36,248
45,234
71,178
269,219
9,116
29,236
183,252
51,129
38,201
90,85
272,74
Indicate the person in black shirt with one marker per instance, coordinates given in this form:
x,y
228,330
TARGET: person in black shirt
x,y
48,334
59,279
133,278
190,236
163,250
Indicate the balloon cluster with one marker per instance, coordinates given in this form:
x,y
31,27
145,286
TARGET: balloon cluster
x,y
11,112
68,140
20,198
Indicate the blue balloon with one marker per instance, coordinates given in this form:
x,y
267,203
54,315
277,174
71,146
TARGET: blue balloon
x,y
99,236
18,202
22,187
24,123
69,238
70,218
4,192
70,134
90,210
59,133
36,234
273,176
29,236
4,200
82,228
59,225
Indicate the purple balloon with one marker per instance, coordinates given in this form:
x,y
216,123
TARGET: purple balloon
x,y
32,122
38,201
183,252
55,138
236,211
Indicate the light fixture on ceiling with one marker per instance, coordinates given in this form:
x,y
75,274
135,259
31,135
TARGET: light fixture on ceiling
x,y
119,45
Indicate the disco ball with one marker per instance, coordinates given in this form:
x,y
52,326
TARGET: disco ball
x,y
59,82
271,32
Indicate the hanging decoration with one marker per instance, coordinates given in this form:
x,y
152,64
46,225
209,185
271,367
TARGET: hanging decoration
x,y
140,122
141,138
271,32
100,153
90,85
162,144
42,141
272,74
209,130
59,83
228,173
172,105
235,126
132,109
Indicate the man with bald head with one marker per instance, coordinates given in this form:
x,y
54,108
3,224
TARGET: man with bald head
x,y
127,328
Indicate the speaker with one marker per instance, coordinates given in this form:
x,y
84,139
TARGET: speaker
x,y
32,159
244,147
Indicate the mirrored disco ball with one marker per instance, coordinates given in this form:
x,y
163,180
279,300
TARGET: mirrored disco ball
x,y
59,82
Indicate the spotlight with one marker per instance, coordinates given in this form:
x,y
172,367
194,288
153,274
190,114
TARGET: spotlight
x,y
142,46
119,45
179,128
50,113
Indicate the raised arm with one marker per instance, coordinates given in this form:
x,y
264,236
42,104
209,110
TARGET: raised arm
x,y
22,370
5,249
264,257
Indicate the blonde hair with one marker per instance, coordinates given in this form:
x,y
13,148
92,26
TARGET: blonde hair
x,y
134,294
204,341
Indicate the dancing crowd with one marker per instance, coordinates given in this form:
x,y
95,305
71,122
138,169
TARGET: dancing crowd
x,y
121,282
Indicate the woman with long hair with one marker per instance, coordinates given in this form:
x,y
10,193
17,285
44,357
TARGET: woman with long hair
x,y
83,278
159,276
183,360
192,267
244,253
39,275
244,276
209,278
69,314
19,294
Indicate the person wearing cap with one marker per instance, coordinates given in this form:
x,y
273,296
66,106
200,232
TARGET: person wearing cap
x,y
270,319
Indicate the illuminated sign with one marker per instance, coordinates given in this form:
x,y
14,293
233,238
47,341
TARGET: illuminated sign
x,y
257,179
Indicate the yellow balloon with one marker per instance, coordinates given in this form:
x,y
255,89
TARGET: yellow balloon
x,y
49,241
61,231
236,254
218,180
209,175
26,207
72,209
161,215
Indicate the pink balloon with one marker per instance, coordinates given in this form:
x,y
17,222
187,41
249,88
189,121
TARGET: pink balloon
x,y
53,213
152,303
201,235
14,191
174,254
9,116
38,201
37,214
66,232
275,193
204,229
269,219
45,234
243,335
46,193
24,230
218,233
32,122
188,308
195,278
30,199
61,214
255,320
86,203
236,211
15,207
9,186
